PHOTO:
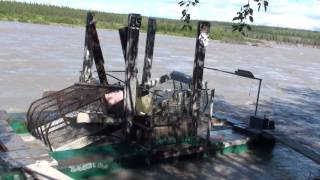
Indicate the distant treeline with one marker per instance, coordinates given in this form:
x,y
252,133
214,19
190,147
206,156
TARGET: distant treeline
x,y
47,14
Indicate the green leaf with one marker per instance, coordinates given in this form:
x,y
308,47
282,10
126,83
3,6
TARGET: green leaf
x,y
251,18
250,11
182,3
184,12
235,18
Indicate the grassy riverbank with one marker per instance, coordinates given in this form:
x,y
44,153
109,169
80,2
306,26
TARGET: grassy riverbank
x,y
45,14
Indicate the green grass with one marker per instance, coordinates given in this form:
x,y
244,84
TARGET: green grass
x,y
46,14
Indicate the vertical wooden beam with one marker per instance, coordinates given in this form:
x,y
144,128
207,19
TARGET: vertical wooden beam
x,y
94,46
134,24
123,33
86,73
202,33
149,50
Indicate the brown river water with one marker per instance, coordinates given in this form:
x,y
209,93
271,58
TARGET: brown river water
x,y
34,58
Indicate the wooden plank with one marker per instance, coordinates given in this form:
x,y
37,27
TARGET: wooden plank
x,y
3,115
94,46
36,154
7,134
43,170
4,123
200,50
86,73
27,155
13,143
134,23
149,50
123,33
5,129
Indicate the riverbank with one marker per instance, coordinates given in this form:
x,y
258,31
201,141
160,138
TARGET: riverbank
x,y
45,14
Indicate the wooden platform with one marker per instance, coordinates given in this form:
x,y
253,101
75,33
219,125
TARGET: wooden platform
x,y
23,151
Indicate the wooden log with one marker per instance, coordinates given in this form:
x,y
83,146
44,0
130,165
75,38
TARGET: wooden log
x,y
200,50
95,49
149,50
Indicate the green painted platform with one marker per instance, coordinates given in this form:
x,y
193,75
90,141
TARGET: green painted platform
x,y
103,160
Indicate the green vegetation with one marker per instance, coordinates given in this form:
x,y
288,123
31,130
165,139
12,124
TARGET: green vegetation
x,y
45,14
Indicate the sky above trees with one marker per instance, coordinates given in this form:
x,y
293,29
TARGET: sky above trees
x,y
299,14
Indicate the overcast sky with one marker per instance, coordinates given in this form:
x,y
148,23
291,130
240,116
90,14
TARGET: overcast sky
x,y
299,14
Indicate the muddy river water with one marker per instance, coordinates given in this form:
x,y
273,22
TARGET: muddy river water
x,y
34,58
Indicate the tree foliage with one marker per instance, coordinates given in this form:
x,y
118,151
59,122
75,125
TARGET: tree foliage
x,y
241,19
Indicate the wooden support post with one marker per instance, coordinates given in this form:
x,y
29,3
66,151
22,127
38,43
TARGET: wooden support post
x,y
86,73
149,50
123,33
134,23
202,34
95,49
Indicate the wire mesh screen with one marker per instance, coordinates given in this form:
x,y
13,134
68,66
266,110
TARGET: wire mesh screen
x,y
172,116
52,118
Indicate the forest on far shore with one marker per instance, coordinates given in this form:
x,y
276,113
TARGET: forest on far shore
x,y
47,14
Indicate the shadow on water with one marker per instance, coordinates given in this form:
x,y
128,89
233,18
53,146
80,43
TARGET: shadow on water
x,y
297,114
